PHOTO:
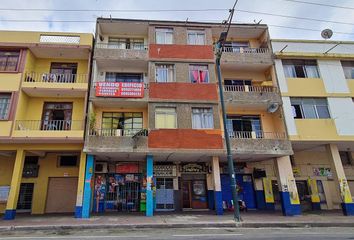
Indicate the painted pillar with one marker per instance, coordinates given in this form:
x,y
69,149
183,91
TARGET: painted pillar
x,y
149,192
86,204
176,192
315,197
289,197
11,205
258,186
80,186
268,194
217,186
340,179
210,187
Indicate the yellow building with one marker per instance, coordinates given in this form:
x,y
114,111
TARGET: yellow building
x,y
43,90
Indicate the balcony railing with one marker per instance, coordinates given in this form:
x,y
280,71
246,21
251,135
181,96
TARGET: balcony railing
x,y
122,47
49,125
247,88
118,132
55,78
257,135
232,49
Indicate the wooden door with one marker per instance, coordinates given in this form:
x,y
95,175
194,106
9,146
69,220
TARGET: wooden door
x,y
186,192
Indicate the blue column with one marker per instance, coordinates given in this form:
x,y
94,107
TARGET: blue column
x,y
149,193
86,204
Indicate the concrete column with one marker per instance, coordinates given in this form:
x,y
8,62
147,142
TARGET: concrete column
x,y
340,179
315,197
86,205
210,187
80,186
258,186
149,193
217,186
176,190
268,194
11,205
289,196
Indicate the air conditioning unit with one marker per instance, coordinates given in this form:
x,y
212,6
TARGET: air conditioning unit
x,y
101,167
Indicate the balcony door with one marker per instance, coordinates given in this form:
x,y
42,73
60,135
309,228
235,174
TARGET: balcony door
x,y
63,72
56,116
121,123
244,126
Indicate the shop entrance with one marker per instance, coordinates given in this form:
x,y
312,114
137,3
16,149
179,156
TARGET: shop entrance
x,y
164,194
194,194
24,203
304,195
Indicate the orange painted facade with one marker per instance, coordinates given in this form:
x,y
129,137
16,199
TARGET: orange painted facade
x,y
175,51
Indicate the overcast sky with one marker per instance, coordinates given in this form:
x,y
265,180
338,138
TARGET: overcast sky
x,y
282,7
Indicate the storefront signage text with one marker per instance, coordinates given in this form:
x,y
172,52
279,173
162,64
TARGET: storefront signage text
x,y
193,168
120,89
127,168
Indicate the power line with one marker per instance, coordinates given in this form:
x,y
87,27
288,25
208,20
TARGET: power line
x,y
321,4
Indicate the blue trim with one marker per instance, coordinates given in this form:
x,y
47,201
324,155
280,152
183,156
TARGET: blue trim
x,y
149,194
78,212
218,203
288,208
348,209
211,199
261,204
86,202
270,206
316,206
10,214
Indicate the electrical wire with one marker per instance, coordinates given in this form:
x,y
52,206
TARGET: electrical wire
x,y
321,4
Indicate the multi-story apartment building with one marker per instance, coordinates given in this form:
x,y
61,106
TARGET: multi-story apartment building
x,y
43,91
154,138
317,88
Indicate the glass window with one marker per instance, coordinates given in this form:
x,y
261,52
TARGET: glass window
x,y
345,157
310,108
165,117
236,46
164,73
126,43
348,68
9,60
4,105
123,77
164,35
127,122
243,126
300,69
68,160
57,116
196,37
198,73
202,118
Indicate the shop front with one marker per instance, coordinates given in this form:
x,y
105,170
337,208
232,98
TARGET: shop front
x,y
165,180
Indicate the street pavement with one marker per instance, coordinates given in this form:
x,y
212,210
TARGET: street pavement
x,y
186,233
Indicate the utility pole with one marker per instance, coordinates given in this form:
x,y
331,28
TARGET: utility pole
x,y
219,48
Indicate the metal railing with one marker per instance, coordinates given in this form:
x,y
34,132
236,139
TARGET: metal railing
x,y
245,50
257,135
117,132
248,88
49,125
55,78
141,47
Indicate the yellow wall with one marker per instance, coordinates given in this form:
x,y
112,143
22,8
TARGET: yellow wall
x,y
351,87
5,128
6,168
258,76
42,65
10,82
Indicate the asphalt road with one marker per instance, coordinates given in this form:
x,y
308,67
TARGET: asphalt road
x,y
186,233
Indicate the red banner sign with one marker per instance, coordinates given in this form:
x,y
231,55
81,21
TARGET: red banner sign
x,y
127,168
120,89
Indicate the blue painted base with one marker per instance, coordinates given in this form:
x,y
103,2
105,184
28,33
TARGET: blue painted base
x,y
218,203
78,212
211,201
316,206
348,209
270,206
149,204
10,214
261,204
288,208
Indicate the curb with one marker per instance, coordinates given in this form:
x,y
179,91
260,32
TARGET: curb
x,y
177,225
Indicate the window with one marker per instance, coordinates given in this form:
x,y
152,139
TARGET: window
x,y
198,73
9,60
237,82
165,73
345,157
126,43
62,72
348,68
123,77
127,123
57,116
300,69
68,161
237,125
5,99
165,117
236,46
164,35
196,37
202,118
310,108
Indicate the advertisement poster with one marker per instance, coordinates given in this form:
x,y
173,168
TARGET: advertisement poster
x,y
268,190
322,172
345,191
120,89
315,197
100,190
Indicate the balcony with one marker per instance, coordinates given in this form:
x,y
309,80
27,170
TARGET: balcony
x,y
49,84
111,51
259,142
49,129
258,56
245,95
116,140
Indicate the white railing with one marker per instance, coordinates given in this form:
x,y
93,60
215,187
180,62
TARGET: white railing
x,y
55,78
64,39
257,135
245,50
247,88
49,125
117,132
120,46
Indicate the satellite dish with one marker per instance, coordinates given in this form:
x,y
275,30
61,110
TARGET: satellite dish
x,y
273,107
327,33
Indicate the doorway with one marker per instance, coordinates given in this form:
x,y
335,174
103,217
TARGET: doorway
x,y
24,203
186,192
194,194
164,194
63,72
56,116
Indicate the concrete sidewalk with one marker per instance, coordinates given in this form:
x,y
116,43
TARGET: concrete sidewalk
x,y
250,219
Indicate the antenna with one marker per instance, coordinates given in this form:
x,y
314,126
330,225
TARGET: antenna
x,y
327,33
